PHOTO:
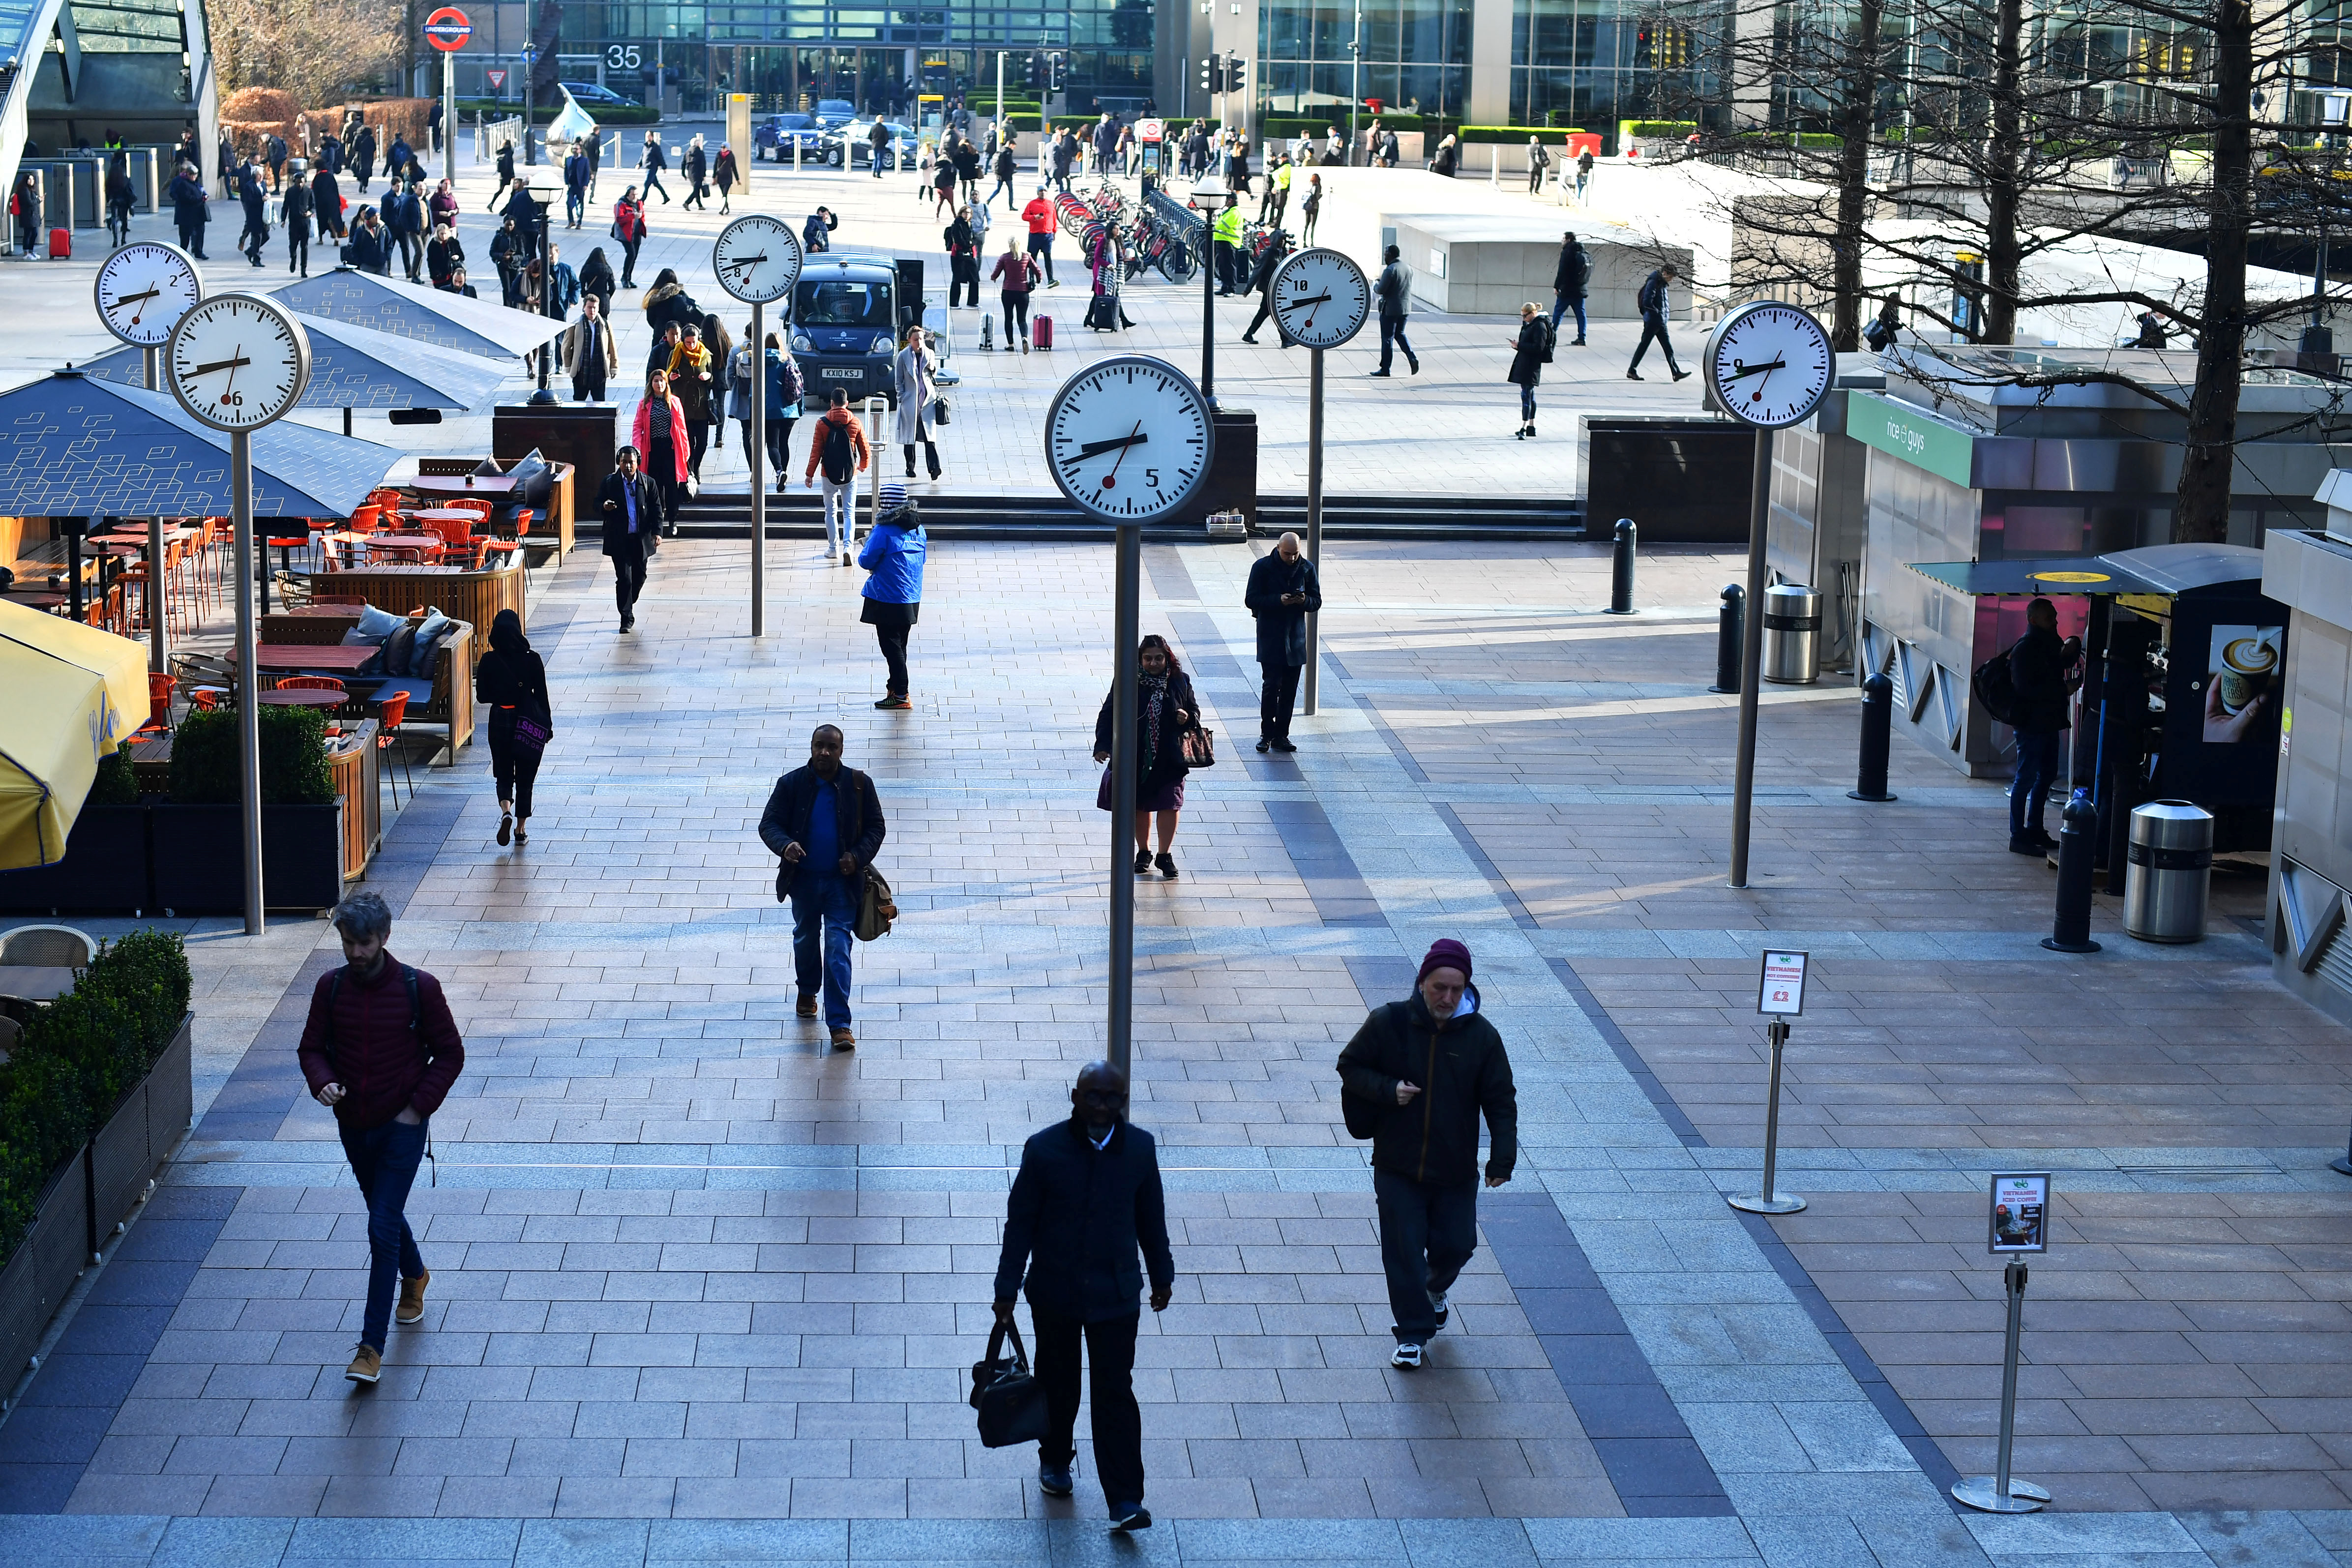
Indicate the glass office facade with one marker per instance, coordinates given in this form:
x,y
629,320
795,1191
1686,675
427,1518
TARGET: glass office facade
x,y
1416,55
1592,63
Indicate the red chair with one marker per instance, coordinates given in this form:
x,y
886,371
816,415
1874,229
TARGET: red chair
x,y
504,549
389,717
160,687
310,684
204,699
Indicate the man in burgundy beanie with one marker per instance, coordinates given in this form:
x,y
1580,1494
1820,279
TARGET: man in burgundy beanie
x,y
1414,1080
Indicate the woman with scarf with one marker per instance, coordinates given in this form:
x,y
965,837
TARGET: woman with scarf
x,y
1165,710
511,683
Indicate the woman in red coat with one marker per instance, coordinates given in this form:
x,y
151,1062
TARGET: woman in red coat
x,y
659,432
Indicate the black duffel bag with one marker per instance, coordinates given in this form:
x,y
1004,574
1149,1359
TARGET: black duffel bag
x,y
1012,1404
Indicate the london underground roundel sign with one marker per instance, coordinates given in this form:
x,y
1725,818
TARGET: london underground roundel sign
x,y
448,28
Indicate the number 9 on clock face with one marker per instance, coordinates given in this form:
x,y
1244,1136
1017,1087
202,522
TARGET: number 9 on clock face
x,y
1128,438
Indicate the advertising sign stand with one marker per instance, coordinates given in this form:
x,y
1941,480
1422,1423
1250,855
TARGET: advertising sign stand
x,y
2019,1225
1779,996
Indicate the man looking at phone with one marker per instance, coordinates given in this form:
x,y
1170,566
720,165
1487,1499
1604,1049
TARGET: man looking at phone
x,y
1283,592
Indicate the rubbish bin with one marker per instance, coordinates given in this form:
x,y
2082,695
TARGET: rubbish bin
x,y
1792,634
2170,872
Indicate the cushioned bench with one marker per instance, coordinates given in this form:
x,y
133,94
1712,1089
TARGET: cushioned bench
x,y
445,702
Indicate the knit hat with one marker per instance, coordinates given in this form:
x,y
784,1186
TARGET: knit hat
x,y
893,497
1445,954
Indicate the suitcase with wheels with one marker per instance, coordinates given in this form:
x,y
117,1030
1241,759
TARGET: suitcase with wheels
x,y
60,245
1102,313
1041,332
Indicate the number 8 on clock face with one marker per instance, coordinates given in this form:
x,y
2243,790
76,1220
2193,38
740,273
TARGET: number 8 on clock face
x,y
1130,438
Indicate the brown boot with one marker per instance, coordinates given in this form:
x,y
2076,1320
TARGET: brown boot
x,y
412,1299
843,1040
806,1007
367,1364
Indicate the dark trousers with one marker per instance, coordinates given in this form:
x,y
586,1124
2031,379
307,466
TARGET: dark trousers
x,y
697,442
892,625
297,252
629,261
2037,769
961,280
779,449
652,183
1042,247
661,464
1527,401
192,238
1428,1231
384,1159
629,580
411,253
589,385
1278,698
1654,328
513,768
1391,339
1561,304
931,456
1229,265
1017,317
1110,1368
1265,310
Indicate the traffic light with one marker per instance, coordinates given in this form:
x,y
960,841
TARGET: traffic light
x,y
1061,71
1235,65
1036,70
1213,75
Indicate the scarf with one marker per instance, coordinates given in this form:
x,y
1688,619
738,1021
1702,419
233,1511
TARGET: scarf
x,y
1155,702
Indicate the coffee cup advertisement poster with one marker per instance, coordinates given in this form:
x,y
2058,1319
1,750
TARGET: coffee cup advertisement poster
x,y
2239,676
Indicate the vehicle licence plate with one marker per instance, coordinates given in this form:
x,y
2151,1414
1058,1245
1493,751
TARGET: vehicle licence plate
x,y
832,375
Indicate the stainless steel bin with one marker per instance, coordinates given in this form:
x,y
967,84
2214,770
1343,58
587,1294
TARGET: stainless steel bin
x,y
2170,872
1792,634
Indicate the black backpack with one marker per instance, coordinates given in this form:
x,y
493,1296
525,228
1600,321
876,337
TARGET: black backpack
x,y
1995,686
1551,337
839,462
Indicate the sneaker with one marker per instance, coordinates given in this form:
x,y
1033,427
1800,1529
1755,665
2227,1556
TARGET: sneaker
x,y
894,700
412,1299
806,1005
1053,1480
1682,376
843,1040
1281,743
522,835
2023,846
1127,1516
1143,861
367,1364
1167,865
1406,1355
1264,745
506,829
1437,1304
1414,361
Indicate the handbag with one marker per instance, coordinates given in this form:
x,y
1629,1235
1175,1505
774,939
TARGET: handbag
x,y
940,410
1012,1404
1199,747
532,735
875,911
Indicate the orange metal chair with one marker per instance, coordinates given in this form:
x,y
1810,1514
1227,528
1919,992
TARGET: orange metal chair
x,y
389,717
204,699
310,684
504,549
160,687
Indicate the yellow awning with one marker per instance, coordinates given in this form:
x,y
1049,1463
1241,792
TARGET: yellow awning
x,y
69,695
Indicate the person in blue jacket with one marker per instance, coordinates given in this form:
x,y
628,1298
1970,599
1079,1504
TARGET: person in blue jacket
x,y
893,559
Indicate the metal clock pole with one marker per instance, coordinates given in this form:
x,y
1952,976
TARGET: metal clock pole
x,y
248,676
1751,654
1127,631
159,651
754,450
1314,512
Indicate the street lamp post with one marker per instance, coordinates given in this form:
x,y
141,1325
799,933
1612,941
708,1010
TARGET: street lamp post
x,y
1209,188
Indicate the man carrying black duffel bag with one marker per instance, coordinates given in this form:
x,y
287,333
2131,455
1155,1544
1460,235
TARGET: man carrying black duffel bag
x,y
1086,1201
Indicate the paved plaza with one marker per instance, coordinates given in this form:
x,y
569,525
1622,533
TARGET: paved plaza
x,y
704,1289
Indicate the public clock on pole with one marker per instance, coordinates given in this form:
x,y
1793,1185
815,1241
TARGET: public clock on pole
x,y
144,290
236,361
1130,438
1321,298
758,259
1769,364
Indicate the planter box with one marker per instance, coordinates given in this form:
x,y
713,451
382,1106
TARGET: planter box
x,y
199,858
46,1263
104,870
139,1136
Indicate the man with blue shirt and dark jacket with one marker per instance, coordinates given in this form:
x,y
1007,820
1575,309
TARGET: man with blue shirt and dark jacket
x,y
824,822
1087,1200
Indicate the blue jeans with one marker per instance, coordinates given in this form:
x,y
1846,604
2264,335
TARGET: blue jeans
x,y
1561,305
2037,771
830,898
574,201
384,1159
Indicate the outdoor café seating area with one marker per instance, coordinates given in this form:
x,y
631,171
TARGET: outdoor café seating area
x,y
36,966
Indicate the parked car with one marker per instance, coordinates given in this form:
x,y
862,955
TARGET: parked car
x,y
832,114
849,310
590,96
773,137
852,146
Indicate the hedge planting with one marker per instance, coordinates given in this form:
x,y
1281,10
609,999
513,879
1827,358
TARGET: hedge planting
x,y
1516,135
1652,130
294,770
117,783
77,1059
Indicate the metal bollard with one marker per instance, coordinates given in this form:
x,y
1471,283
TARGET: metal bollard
x,y
2071,932
1877,722
1620,568
1727,639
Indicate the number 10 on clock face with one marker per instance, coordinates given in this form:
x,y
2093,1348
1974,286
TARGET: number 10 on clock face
x,y
1128,438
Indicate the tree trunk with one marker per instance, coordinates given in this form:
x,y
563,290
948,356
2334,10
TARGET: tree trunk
x,y
2201,506
1854,124
2004,252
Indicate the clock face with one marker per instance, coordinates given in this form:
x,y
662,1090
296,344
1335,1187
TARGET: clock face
x,y
1128,438
758,259
1769,364
236,361
144,290
1321,298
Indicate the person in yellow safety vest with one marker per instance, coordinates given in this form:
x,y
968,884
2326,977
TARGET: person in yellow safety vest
x,y
1228,235
1277,192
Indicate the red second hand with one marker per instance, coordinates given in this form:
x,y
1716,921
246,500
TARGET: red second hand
x,y
1110,480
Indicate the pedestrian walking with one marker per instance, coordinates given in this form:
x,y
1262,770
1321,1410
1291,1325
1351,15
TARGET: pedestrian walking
x,y
1883,326
914,376
629,228
277,152
1310,207
596,278
694,382
1166,713
1446,159
1394,293
877,138
1005,169
1436,1043
963,259
1570,281
838,449
727,174
824,823
785,391
1284,589
575,185
652,160
363,156
510,249
1086,1205
408,229
1652,301
658,433
695,166
631,503
381,1051
1583,172
1537,162
442,207
1016,276
1039,216
943,187
893,558
591,356
191,210
967,167
253,197
1261,283
1529,351
327,203
119,198
511,684
506,168
2039,666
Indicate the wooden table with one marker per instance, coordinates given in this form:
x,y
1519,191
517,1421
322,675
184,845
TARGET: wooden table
x,y
34,982
330,658
305,697
488,486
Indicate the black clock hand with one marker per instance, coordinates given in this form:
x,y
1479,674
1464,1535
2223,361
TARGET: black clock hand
x,y
1757,369
136,298
747,263
1092,447
1322,298
220,365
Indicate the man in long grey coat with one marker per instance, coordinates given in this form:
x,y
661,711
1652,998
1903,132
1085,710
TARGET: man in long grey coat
x,y
1283,592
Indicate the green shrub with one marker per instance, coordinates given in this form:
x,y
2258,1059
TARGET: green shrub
x,y
1652,130
77,1059
117,783
294,769
1516,135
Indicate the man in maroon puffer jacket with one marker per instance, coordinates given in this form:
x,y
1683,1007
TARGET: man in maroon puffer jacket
x,y
382,1050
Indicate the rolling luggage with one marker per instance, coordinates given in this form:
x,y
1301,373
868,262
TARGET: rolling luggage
x,y
1041,332
60,245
